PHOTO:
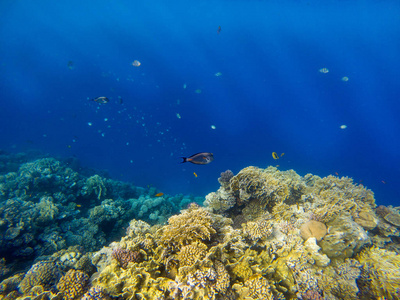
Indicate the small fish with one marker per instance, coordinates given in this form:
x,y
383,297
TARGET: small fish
x,y
201,158
383,181
78,205
195,175
282,154
336,173
101,100
159,194
274,155
219,29
70,65
136,63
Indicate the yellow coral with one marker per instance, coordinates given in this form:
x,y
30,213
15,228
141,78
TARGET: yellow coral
x,y
44,273
382,269
256,183
193,224
259,229
334,196
73,284
259,288
191,253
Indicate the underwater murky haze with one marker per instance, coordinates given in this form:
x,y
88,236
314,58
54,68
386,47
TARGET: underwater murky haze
x,y
258,81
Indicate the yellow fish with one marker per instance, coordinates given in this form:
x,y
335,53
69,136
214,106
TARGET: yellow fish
x,y
194,173
274,155
282,154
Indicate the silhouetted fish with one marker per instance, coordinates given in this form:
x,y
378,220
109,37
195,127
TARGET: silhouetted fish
x,y
101,100
201,158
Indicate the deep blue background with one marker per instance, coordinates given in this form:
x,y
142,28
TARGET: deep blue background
x,y
270,96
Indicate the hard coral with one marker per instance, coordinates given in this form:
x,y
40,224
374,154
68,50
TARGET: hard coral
x,y
193,224
44,273
225,178
125,256
381,269
259,288
96,293
313,229
191,253
259,229
263,185
73,284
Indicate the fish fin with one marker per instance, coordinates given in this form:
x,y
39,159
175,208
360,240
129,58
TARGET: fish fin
x,y
184,159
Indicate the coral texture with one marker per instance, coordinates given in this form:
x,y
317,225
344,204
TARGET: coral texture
x,y
73,284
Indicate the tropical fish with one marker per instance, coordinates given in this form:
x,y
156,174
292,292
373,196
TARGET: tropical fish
x,y
136,63
194,173
159,194
274,155
201,158
101,100
219,29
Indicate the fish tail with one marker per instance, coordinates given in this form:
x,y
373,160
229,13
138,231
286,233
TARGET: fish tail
x,y
184,159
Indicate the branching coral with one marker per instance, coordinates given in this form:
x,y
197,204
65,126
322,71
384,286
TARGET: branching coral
x,y
259,229
263,185
193,224
382,270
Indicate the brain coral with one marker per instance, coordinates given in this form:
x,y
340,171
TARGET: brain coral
x,y
193,224
43,273
73,284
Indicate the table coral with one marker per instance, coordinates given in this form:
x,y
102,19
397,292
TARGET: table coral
x,y
73,284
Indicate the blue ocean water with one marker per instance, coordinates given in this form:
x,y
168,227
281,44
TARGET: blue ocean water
x,y
242,92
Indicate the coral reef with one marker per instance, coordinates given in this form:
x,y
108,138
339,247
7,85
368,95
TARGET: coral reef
x,y
46,206
265,234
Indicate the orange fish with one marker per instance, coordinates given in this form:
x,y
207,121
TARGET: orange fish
x,y
384,182
194,173
159,194
282,154
336,173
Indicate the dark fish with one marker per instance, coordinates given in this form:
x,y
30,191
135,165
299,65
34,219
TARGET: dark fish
x,y
201,158
219,29
101,100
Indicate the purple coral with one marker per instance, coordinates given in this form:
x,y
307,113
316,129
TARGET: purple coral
x,y
312,295
225,177
125,256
